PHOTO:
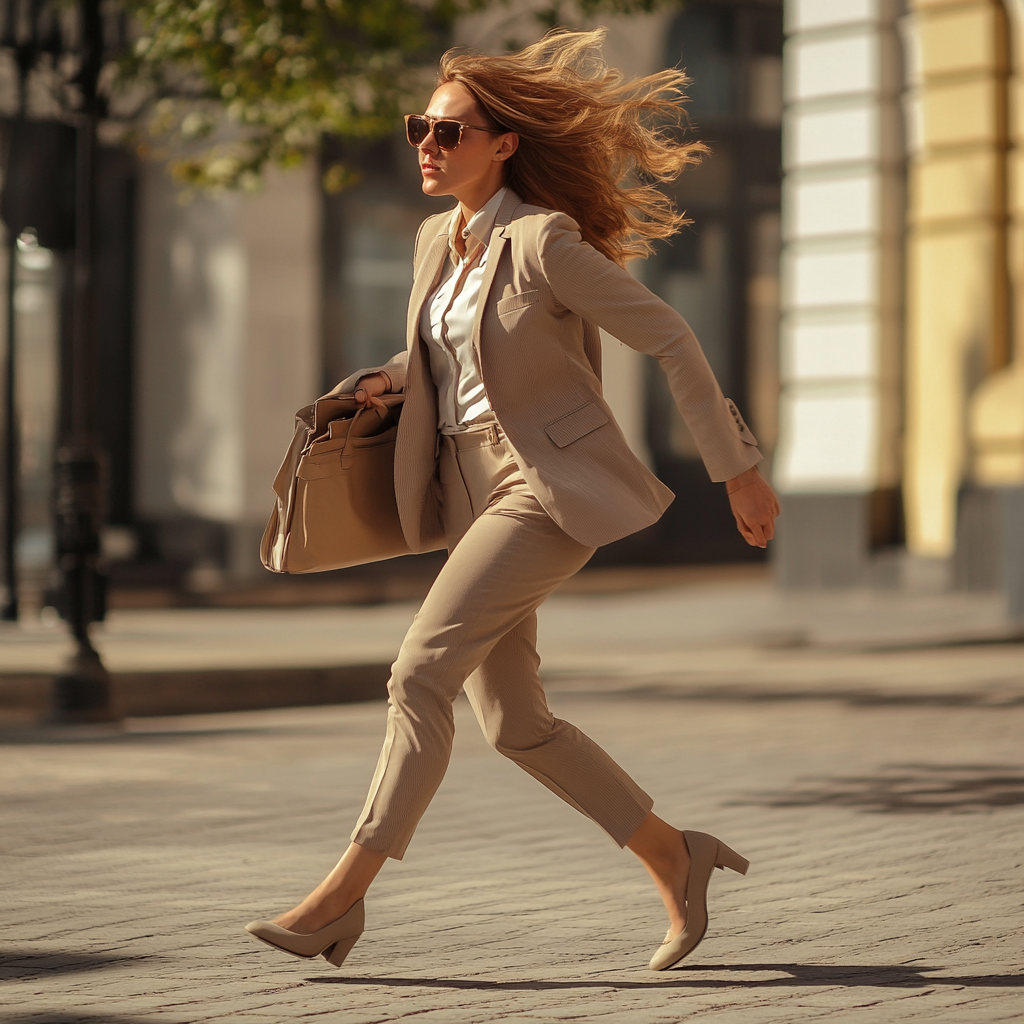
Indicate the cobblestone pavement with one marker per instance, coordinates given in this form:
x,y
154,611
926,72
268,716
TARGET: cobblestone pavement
x,y
885,830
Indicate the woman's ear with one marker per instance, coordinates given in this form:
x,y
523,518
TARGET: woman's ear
x,y
509,144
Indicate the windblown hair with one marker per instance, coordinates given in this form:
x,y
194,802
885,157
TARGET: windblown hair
x,y
592,144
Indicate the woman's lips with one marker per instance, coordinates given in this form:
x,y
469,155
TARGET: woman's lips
x,y
429,168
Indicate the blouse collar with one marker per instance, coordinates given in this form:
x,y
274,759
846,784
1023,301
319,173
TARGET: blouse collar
x,y
477,232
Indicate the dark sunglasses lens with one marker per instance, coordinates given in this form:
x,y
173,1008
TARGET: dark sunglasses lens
x,y
417,129
447,134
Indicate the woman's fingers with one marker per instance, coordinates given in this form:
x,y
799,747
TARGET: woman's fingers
x,y
747,528
367,400
745,531
752,533
367,391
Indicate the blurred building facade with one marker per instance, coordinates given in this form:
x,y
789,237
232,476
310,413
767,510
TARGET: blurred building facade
x,y
902,402
852,271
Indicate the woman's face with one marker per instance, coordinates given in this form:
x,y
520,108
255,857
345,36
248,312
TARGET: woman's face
x,y
473,171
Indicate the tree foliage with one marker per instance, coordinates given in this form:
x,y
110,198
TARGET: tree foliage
x,y
283,74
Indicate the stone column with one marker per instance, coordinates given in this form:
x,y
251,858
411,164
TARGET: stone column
x,y
837,465
958,286
990,530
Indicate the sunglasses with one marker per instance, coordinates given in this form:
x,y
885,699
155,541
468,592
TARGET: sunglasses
x,y
447,133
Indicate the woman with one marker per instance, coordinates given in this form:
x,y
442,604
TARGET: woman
x,y
508,455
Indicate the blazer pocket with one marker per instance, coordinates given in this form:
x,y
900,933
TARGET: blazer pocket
x,y
518,301
577,424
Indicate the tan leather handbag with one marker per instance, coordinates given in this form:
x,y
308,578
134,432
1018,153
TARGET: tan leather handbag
x,y
336,489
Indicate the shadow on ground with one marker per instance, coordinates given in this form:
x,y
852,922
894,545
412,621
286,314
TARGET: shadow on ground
x,y
17,963
908,788
48,1017
998,697
794,975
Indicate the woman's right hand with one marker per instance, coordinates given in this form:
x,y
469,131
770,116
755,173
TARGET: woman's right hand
x,y
369,389
754,505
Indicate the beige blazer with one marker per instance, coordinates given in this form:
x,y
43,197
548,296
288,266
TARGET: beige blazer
x,y
544,297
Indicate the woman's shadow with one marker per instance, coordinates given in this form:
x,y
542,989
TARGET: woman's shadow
x,y
793,975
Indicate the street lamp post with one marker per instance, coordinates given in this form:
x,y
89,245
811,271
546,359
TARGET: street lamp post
x,y
82,690
12,475
21,34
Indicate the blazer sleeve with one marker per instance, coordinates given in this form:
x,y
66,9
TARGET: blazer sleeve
x,y
600,291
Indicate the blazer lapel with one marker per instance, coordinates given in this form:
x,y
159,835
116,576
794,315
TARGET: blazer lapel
x,y
425,282
495,247
415,450
420,412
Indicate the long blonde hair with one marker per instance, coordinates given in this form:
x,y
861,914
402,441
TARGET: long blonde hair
x,y
592,143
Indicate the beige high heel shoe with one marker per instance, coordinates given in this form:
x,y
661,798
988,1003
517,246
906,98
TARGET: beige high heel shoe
x,y
706,854
333,942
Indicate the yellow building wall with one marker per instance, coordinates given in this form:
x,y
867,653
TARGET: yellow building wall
x,y
957,275
996,417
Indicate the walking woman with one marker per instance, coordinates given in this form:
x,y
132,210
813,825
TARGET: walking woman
x,y
508,455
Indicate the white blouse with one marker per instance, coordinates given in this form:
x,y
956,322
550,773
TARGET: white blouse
x,y
446,324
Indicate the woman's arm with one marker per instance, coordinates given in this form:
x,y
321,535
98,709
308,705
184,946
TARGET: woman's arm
x,y
393,372
602,292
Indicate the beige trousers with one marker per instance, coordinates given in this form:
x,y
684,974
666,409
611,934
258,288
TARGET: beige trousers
x,y
477,629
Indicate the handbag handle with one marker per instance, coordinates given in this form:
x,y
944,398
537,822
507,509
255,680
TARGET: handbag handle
x,y
346,458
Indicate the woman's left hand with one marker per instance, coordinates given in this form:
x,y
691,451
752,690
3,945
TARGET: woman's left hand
x,y
754,505
368,389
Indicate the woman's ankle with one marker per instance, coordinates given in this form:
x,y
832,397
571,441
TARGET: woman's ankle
x,y
660,847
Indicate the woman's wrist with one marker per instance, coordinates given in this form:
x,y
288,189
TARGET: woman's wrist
x,y
745,479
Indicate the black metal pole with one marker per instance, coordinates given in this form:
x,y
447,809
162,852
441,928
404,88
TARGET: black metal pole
x,y
24,56
83,691
12,517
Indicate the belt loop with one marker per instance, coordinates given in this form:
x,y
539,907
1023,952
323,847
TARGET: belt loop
x,y
494,436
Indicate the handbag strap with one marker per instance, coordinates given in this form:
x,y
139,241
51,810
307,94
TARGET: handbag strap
x,y
346,459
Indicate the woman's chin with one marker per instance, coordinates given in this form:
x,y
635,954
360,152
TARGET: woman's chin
x,y
433,186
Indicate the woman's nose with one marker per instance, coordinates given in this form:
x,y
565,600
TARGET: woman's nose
x,y
429,144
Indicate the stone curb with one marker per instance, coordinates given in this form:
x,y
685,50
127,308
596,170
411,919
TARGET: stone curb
x,y
27,698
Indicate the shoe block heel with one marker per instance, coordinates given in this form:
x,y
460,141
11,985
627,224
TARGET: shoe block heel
x,y
341,949
728,858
